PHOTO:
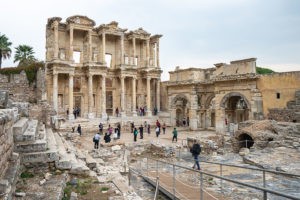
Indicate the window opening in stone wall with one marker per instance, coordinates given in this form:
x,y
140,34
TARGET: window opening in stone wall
x,y
108,59
60,100
278,95
135,61
126,60
94,100
62,54
76,56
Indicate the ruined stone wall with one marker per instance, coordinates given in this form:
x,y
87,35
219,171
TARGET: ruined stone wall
x,y
193,74
19,88
6,138
285,84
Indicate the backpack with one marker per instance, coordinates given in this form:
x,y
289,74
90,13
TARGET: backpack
x,y
196,149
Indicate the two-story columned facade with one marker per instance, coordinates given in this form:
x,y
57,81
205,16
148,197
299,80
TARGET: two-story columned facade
x,y
101,68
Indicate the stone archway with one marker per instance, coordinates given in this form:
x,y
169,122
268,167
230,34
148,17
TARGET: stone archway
x,y
236,107
180,104
209,117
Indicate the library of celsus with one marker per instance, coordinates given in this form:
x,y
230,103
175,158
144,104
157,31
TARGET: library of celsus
x,y
101,69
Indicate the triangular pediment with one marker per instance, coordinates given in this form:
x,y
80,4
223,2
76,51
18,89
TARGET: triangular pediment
x,y
81,20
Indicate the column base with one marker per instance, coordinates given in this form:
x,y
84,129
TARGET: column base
x,y
104,116
193,124
134,114
149,113
71,117
91,116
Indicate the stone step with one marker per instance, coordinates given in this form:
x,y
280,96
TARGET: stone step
x,y
20,126
35,146
29,134
50,155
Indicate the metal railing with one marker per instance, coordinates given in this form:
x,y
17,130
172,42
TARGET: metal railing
x,y
265,191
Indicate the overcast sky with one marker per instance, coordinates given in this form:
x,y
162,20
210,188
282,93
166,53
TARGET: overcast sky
x,y
196,33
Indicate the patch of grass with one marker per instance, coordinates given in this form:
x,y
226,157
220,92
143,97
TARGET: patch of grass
x,y
262,70
81,188
27,174
104,189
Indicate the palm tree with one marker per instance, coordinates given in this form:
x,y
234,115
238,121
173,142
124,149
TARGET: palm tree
x,y
24,54
5,50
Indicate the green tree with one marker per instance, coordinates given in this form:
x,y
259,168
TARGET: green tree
x,y
24,54
5,50
262,70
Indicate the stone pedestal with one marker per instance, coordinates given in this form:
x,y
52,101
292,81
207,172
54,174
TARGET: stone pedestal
x,y
149,113
71,116
104,115
134,113
91,116
193,124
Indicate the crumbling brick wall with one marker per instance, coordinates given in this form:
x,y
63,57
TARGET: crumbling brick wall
x,y
6,137
19,88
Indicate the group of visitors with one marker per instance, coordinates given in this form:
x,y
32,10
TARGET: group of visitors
x,y
111,132
142,111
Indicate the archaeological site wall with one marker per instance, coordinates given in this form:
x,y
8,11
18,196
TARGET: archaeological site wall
x,y
19,88
278,89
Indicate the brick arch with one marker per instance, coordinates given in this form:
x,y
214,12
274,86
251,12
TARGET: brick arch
x,y
234,94
208,100
179,97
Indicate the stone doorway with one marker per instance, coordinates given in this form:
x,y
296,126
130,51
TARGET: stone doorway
x,y
77,104
109,103
245,141
179,117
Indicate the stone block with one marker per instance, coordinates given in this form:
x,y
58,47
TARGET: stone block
x,y
20,127
3,99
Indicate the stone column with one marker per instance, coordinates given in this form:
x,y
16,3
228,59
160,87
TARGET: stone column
x,y
71,44
71,115
90,45
90,90
158,95
103,100
157,54
55,91
134,96
193,121
149,110
122,49
134,51
55,27
103,48
148,52
123,96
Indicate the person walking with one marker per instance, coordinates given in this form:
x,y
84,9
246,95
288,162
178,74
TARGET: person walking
x,y
157,131
117,112
79,129
141,129
148,128
196,150
119,130
174,135
96,140
164,128
135,133
101,127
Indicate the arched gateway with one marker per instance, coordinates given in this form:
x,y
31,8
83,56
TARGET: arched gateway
x,y
180,105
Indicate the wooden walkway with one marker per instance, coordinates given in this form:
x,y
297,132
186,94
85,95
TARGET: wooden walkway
x,y
182,190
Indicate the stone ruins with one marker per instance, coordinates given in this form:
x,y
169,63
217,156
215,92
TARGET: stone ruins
x,y
113,76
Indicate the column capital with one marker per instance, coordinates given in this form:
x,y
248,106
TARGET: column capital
x,y
71,74
90,75
55,73
148,78
122,76
134,77
103,75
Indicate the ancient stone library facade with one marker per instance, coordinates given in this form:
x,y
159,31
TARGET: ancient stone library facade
x,y
101,68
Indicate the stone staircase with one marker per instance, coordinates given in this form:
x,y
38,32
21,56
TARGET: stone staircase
x,y
34,142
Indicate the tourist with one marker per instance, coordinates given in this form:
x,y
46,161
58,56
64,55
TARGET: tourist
x,y
117,112
79,129
101,128
110,130
67,112
195,150
157,131
145,124
158,125
74,113
96,140
183,121
164,128
119,130
135,133
148,128
107,138
188,121
155,111
78,111
174,135
132,126
141,129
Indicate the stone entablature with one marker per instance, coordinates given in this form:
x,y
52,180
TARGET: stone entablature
x,y
101,68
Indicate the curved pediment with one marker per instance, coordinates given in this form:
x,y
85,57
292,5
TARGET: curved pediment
x,y
82,20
